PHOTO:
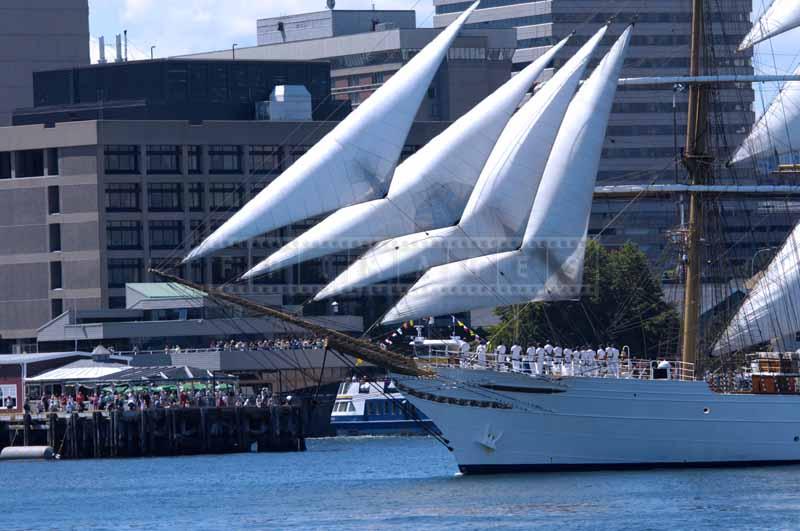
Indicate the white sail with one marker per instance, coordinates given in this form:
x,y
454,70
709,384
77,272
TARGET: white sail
x,y
778,129
351,164
428,190
549,264
499,206
782,16
772,308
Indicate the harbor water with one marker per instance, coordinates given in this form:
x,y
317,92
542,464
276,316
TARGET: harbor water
x,y
382,483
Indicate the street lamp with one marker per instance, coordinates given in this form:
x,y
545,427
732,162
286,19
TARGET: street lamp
x,y
335,307
233,50
152,55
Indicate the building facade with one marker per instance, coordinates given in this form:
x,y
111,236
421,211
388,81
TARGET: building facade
x,y
86,207
364,56
38,35
331,23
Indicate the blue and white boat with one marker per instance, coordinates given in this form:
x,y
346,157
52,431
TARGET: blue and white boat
x,y
376,408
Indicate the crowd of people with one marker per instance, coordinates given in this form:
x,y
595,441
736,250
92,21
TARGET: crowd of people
x,y
79,402
264,344
547,359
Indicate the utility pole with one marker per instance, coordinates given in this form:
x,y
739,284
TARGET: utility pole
x,y
698,163
152,50
233,50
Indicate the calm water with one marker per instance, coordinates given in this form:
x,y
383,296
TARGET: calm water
x,y
374,483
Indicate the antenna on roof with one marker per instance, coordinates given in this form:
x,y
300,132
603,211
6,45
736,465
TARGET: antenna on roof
x,y
102,50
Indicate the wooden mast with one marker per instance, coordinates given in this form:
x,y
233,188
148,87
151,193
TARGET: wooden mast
x,y
698,163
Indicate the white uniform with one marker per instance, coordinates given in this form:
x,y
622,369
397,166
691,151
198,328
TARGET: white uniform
x,y
500,351
464,358
591,365
481,350
516,350
540,352
567,369
614,363
530,354
601,360
557,366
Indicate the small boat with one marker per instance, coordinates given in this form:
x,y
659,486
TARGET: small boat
x,y
376,408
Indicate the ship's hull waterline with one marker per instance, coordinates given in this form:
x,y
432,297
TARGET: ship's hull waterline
x,y
508,422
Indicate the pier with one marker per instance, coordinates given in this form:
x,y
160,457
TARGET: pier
x,y
159,432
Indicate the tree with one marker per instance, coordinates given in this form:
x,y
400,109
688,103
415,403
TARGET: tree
x,y
623,304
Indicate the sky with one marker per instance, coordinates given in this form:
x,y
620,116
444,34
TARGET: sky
x,y
178,27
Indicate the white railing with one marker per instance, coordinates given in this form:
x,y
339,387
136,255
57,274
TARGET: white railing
x,y
641,369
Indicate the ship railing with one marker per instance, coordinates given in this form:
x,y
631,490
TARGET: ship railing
x,y
630,368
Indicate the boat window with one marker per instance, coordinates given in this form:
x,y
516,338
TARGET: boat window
x,y
351,408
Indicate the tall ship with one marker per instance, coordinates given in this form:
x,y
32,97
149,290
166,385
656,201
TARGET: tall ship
x,y
495,212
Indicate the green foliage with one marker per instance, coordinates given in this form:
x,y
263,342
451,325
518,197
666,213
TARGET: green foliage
x,y
623,304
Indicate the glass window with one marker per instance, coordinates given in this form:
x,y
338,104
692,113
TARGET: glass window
x,y
5,165
265,159
224,269
225,159
224,196
123,235
55,237
163,159
166,234
194,160
196,197
122,197
165,197
122,159
197,230
198,271
53,200
56,308
56,281
123,270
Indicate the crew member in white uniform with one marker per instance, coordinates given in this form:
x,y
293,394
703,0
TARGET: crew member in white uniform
x,y
530,354
558,368
591,366
540,353
516,350
481,350
500,357
601,360
567,370
464,357
614,363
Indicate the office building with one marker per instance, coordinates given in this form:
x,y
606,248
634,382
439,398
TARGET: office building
x,y
38,35
364,49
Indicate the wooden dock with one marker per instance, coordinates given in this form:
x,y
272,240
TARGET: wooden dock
x,y
159,432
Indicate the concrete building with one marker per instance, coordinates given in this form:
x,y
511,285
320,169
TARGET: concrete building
x,y
89,206
38,35
364,54
331,23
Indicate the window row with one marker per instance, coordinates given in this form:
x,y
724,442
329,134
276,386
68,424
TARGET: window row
x,y
122,271
169,197
167,159
127,235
